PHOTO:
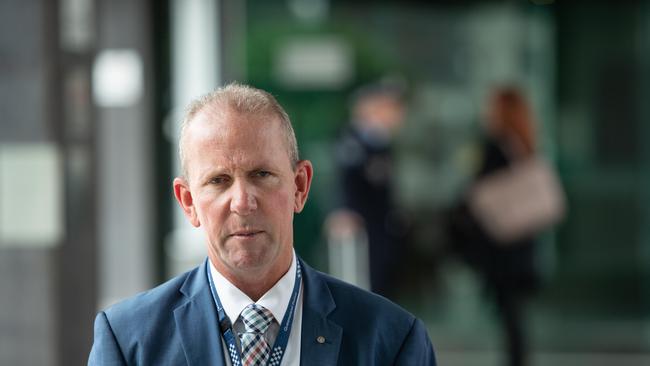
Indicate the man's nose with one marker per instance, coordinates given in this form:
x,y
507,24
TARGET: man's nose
x,y
243,200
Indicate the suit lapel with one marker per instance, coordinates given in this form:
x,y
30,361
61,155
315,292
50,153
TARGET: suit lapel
x,y
321,337
197,322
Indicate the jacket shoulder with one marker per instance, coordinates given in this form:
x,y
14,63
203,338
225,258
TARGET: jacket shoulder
x,y
150,308
376,330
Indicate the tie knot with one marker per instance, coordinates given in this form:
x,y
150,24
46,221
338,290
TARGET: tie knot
x,y
256,318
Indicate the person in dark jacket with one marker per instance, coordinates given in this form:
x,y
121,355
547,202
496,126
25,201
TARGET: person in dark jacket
x,y
366,168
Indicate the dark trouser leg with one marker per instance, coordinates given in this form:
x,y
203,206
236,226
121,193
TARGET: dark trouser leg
x,y
510,312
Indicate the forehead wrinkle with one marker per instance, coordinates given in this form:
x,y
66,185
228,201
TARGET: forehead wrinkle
x,y
214,119
217,152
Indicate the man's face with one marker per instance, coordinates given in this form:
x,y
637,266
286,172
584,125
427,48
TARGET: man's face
x,y
243,191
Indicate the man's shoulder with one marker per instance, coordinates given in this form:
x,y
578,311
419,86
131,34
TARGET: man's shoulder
x,y
143,327
372,324
160,300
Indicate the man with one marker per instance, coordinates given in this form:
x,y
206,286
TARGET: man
x,y
253,302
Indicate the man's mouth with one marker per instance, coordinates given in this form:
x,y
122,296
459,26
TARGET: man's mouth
x,y
245,233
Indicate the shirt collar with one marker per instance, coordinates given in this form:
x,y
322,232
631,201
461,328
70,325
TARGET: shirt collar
x,y
276,299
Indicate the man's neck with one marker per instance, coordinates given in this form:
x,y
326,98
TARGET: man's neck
x,y
254,283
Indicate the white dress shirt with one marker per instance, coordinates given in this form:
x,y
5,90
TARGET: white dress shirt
x,y
276,300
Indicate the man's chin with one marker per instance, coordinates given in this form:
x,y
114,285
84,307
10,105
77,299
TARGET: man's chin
x,y
249,263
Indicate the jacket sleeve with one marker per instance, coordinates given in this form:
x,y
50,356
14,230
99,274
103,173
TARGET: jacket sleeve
x,y
105,349
416,349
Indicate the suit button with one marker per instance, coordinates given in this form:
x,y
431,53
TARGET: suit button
x,y
320,339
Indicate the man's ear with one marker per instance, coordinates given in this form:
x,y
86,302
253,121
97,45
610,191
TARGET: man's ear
x,y
184,197
304,174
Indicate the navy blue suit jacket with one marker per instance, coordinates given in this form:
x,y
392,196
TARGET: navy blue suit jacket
x,y
176,324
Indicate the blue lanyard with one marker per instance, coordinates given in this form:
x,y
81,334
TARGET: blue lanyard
x,y
281,341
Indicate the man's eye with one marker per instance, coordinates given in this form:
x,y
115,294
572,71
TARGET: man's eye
x,y
262,174
218,180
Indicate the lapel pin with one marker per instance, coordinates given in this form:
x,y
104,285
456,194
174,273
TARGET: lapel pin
x,y
320,339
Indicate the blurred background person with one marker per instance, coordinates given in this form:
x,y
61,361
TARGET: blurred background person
x,y
365,161
507,266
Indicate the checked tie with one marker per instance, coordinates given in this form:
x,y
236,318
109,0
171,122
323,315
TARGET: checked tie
x,y
255,349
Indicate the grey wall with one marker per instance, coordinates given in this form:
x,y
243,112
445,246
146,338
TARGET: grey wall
x,y
27,272
126,172
52,289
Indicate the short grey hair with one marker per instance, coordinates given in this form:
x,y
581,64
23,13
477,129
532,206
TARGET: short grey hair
x,y
242,99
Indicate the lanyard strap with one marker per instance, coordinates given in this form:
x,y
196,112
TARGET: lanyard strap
x,y
282,339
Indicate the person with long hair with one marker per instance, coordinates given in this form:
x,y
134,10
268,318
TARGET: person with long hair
x,y
507,268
